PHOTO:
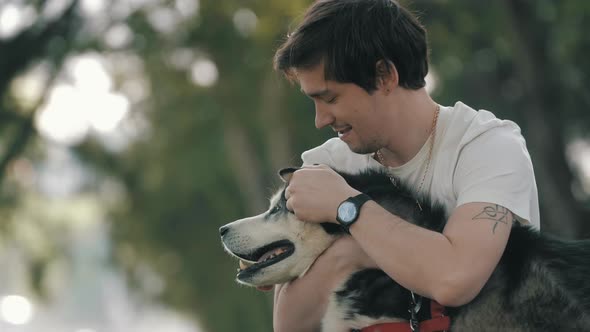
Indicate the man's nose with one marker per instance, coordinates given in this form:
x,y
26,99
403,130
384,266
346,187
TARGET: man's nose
x,y
322,117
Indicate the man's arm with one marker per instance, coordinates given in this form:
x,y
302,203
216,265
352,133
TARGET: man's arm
x,y
450,267
301,304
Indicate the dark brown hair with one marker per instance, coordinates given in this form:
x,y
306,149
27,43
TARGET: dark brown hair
x,y
351,36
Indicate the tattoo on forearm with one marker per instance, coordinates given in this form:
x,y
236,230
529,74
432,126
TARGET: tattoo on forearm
x,y
496,213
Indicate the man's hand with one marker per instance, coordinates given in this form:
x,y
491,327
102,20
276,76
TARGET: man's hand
x,y
314,193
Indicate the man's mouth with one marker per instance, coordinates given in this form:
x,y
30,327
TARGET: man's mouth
x,y
343,131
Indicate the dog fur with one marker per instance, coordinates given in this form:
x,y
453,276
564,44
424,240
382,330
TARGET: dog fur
x,y
540,284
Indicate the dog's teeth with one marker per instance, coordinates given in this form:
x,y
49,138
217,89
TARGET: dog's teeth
x,y
243,265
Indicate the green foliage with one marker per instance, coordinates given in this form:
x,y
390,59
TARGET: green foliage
x,y
210,154
210,158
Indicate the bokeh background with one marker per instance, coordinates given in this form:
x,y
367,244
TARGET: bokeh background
x,y
130,130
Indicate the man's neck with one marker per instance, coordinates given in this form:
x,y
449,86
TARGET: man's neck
x,y
412,126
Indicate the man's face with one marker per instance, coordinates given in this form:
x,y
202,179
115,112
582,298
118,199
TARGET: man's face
x,y
351,112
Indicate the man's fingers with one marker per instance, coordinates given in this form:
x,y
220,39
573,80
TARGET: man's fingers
x,y
315,166
289,205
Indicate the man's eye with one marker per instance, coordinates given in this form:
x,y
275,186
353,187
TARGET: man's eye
x,y
331,101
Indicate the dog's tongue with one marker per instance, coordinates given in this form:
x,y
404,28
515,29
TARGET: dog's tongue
x,y
276,251
244,265
265,256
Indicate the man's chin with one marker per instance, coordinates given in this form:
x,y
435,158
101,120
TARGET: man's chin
x,y
361,149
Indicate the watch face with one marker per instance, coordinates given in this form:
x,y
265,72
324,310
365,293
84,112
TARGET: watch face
x,y
347,212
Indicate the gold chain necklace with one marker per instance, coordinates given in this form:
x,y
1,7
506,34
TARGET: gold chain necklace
x,y
431,147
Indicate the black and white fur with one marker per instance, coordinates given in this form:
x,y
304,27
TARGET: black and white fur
x,y
540,284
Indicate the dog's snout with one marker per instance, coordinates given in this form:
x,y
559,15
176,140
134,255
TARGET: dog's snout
x,y
223,230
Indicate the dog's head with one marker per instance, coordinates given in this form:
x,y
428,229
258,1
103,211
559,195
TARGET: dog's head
x,y
275,247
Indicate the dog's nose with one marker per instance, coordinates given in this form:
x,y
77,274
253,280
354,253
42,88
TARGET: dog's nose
x,y
223,230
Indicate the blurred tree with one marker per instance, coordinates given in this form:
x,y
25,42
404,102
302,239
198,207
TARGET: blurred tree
x,y
523,60
49,40
219,122
212,153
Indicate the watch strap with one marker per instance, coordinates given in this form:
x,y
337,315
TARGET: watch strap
x,y
358,202
360,199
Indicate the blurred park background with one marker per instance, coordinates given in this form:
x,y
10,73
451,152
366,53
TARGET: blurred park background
x,y
130,130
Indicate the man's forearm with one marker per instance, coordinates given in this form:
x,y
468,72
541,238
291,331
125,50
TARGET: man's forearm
x,y
450,267
301,304
298,307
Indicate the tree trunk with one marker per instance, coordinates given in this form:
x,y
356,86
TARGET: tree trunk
x,y
562,215
245,166
277,136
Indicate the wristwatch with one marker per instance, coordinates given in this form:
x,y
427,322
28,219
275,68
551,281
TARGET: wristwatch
x,y
349,210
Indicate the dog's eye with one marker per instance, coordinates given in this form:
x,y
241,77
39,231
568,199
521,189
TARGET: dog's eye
x,y
275,209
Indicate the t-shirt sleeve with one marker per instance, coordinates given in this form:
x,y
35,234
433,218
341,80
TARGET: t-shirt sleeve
x,y
495,167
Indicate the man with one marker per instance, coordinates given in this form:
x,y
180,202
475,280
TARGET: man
x,y
363,63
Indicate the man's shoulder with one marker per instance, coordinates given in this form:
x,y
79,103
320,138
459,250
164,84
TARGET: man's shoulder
x,y
467,124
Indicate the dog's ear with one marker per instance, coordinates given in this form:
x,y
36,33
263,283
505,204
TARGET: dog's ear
x,y
286,173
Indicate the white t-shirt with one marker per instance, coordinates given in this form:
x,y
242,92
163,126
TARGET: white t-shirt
x,y
476,158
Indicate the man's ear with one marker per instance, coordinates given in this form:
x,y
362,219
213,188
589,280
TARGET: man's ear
x,y
387,76
287,173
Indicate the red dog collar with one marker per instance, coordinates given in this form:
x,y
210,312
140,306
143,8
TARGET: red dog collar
x,y
438,322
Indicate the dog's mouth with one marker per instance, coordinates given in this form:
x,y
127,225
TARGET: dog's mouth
x,y
264,257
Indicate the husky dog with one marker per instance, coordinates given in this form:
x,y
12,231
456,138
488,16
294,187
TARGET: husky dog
x,y
540,283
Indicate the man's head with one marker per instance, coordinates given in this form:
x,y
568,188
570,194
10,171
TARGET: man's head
x,y
351,36
358,60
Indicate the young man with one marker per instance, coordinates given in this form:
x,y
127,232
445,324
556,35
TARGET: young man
x,y
363,63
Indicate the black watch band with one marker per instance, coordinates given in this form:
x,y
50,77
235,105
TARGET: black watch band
x,y
349,210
